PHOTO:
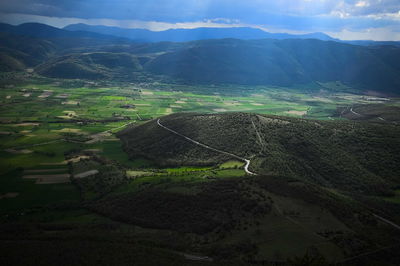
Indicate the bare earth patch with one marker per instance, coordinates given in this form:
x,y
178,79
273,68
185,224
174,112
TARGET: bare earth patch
x,y
219,110
77,159
50,164
180,102
98,137
27,125
294,112
86,174
46,94
70,103
147,93
134,174
70,130
18,151
257,104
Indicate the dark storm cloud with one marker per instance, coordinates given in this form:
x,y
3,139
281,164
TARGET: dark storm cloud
x,y
183,10
294,15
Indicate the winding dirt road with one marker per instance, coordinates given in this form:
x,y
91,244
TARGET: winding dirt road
x,y
354,112
246,167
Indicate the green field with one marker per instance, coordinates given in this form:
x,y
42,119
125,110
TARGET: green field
x,y
58,145
44,121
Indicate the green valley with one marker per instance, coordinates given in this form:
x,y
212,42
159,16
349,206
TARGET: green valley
x,y
61,157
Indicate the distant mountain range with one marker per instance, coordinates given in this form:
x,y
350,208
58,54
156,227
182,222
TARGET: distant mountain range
x,y
61,53
185,35
45,31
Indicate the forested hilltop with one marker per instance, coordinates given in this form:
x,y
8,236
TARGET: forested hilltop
x,y
337,180
350,156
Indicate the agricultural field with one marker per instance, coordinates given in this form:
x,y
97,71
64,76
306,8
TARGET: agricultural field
x,y
61,161
47,124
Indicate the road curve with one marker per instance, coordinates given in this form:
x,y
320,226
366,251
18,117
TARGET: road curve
x,y
354,112
246,167
386,221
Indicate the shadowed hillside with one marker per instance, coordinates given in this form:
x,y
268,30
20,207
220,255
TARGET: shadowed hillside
x,y
90,66
282,62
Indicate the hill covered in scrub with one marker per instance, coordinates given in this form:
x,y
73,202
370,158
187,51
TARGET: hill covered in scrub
x,y
362,157
321,189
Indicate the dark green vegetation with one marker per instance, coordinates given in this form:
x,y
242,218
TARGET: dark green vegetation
x,y
282,63
372,112
289,62
72,193
342,155
342,174
91,66
211,209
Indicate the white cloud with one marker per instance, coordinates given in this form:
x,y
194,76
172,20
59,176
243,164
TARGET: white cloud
x,y
362,4
390,16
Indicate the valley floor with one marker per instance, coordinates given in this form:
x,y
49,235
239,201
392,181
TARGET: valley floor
x,y
62,169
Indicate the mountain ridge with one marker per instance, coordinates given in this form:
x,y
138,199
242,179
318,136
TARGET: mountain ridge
x,y
201,33
272,62
40,30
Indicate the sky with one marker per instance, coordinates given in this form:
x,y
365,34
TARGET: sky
x,y
343,19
